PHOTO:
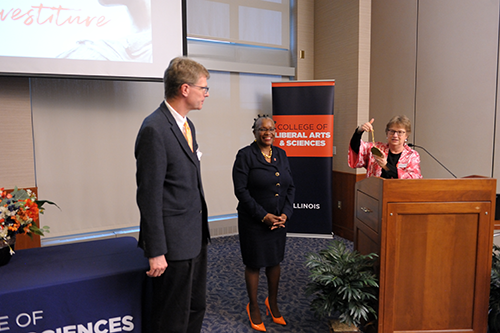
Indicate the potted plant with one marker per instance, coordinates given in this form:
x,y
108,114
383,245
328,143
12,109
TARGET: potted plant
x,y
494,308
344,284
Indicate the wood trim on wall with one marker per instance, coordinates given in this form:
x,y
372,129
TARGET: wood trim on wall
x,y
304,40
343,203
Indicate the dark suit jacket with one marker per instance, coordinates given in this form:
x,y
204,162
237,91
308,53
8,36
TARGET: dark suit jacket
x,y
169,190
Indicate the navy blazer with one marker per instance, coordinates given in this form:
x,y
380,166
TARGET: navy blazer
x,y
263,187
174,217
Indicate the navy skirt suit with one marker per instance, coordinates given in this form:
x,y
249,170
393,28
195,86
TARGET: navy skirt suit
x,y
262,187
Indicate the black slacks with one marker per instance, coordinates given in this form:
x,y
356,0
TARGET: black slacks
x,y
179,296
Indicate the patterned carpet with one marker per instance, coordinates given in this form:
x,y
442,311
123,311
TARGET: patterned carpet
x,y
227,297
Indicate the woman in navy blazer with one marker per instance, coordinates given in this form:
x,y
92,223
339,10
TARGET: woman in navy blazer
x,y
264,187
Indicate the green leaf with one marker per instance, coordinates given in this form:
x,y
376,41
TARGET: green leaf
x,y
342,281
40,203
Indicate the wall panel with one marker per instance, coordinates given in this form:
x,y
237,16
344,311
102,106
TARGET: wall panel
x,y
393,61
456,87
343,206
16,147
436,61
342,47
85,132
305,40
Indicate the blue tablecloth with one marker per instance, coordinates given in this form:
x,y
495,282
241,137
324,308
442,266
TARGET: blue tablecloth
x,y
94,286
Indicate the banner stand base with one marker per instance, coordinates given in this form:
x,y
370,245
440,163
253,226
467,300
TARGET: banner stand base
x,y
326,236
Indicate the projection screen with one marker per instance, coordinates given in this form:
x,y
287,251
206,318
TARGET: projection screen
x,y
132,39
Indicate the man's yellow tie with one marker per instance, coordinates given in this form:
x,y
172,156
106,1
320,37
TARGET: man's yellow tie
x,y
187,134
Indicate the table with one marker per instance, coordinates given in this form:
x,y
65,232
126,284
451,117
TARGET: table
x,y
96,287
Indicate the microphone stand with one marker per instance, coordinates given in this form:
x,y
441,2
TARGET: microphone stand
x,y
415,146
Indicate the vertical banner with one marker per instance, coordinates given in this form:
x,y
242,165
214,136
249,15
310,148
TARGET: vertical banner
x,y
303,111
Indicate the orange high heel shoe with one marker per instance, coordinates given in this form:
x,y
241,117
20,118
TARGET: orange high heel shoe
x,y
258,327
279,320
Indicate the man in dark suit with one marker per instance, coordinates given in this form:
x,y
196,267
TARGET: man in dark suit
x,y
174,226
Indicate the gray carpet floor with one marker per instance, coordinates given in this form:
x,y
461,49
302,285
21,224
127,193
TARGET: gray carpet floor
x,y
227,297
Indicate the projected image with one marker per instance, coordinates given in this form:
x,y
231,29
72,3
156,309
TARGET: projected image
x,y
112,30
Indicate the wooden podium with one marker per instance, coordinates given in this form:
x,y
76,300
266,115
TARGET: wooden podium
x,y
434,238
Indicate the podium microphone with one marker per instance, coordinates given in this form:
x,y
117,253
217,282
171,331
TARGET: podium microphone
x,y
415,146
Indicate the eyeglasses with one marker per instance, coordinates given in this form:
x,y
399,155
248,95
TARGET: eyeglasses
x,y
205,89
263,130
399,133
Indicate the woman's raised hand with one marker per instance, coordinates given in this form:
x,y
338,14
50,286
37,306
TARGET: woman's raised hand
x,y
366,127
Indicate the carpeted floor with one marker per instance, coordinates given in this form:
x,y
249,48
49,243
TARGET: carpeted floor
x,y
227,297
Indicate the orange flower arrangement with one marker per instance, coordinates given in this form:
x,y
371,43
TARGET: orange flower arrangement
x,y
19,212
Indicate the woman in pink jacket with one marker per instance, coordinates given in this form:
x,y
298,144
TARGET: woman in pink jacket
x,y
396,160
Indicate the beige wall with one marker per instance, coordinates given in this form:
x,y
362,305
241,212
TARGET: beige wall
x,y
393,61
436,61
342,52
16,134
432,60
304,49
